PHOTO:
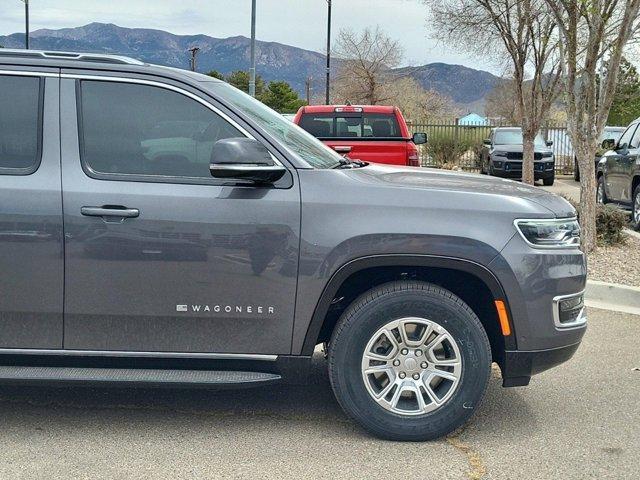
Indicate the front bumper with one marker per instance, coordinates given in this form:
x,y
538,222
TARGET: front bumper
x,y
513,169
535,282
519,366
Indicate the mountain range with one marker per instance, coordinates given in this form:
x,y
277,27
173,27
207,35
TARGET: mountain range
x,y
275,61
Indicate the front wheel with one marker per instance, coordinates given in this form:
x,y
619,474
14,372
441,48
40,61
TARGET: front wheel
x,y
635,214
576,171
547,182
409,361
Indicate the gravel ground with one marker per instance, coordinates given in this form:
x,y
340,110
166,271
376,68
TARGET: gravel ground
x,y
620,264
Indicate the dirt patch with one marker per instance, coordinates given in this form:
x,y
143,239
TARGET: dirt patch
x,y
619,264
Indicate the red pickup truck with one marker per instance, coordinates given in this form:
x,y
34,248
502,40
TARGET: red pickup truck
x,y
373,133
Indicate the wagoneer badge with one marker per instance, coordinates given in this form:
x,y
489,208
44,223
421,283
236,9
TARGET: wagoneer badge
x,y
245,309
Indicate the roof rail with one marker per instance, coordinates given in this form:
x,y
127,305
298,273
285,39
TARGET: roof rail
x,y
79,57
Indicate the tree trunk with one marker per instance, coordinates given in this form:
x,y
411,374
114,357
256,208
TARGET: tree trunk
x,y
527,159
586,154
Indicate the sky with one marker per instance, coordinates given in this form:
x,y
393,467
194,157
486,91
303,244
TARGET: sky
x,y
300,23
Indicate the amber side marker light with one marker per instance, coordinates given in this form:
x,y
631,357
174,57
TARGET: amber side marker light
x,y
504,318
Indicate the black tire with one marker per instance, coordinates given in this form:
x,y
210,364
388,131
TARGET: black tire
x,y
547,182
374,309
576,171
600,185
635,209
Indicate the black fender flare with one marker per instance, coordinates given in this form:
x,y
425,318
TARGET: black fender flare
x,y
409,260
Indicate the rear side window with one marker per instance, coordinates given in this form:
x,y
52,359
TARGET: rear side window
x,y
348,125
131,129
625,139
20,124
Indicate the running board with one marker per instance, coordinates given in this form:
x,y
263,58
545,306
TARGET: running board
x,y
134,376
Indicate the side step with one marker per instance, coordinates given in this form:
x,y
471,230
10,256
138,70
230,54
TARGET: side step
x,y
134,376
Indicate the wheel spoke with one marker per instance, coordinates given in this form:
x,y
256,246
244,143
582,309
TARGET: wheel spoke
x,y
442,374
376,356
396,396
379,369
431,394
383,393
405,338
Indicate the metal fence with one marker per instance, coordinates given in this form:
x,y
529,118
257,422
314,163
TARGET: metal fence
x,y
469,137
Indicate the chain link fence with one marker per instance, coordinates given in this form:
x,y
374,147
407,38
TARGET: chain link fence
x,y
453,145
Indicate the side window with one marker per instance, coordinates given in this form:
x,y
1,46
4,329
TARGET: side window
x,y
635,141
21,100
625,139
145,130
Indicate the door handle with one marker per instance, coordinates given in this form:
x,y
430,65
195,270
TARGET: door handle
x,y
110,211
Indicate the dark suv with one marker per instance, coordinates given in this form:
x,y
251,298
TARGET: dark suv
x,y
160,227
618,172
501,156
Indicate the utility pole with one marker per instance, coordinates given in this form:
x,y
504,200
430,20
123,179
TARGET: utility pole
x,y
26,23
194,51
328,51
308,89
252,70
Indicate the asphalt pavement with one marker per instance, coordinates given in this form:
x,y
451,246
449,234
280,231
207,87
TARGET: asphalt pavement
x,y
580,420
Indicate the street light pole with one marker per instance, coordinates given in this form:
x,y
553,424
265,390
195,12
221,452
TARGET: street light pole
x,y
252,70
328,52
26,23
192,63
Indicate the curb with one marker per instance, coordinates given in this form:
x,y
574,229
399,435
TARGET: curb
x,y
611,296
632,233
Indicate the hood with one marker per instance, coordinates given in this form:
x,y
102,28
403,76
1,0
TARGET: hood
x,y
445,180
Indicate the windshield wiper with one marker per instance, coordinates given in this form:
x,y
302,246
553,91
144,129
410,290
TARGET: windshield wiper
x,y
346,163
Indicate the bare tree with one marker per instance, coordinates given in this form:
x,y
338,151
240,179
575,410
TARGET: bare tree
x,y
501,103
417,103
526,32
593,37
365,69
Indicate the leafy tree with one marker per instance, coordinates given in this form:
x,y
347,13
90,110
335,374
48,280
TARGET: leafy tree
x,y
281,97
626,101
216,74
240,80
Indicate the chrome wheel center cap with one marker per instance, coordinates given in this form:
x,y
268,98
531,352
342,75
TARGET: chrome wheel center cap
x,y
411,364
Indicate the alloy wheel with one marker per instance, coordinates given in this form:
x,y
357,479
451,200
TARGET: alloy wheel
x,y
411,366
636,208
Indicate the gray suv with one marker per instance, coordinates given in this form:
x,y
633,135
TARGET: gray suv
x,y
501,156
160,227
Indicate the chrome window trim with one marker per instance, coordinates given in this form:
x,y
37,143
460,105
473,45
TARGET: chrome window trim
x,y
22,73
550,220
167,86
125,353
579,322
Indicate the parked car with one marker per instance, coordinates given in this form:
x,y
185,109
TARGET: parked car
x,y
618,172
160,227
609,133
371,133
501,155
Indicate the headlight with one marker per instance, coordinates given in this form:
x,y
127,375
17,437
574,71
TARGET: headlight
x,y
498,153
551,233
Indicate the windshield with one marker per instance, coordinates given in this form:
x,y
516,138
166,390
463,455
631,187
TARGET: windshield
x,y
294,138
611,133
514,137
